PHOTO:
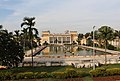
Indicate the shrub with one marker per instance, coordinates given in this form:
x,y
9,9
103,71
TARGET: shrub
x,y
20,76
111,47
5,75
98,72
105,72
37,75
13,77
41,75
28,75
44,75
25,75
82,74
113,71
58,75
70,73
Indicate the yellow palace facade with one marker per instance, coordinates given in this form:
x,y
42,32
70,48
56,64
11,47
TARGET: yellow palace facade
x,y
67,37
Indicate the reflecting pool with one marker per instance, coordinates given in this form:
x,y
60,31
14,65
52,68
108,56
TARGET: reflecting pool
x,y
68,50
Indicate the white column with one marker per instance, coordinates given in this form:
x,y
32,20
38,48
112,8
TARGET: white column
x,y
53,40
62,40
66,38
70,39
57,40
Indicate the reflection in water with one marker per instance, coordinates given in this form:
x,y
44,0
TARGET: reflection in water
x,y
79,49
67,50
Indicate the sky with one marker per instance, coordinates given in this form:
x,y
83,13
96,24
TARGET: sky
x,y
61,15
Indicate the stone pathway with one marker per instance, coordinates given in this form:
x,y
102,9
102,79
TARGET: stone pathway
x,y
100,49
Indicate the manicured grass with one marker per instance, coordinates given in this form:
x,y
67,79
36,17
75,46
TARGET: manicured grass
x,y
83,69
111,66
56,68
45,69
40,69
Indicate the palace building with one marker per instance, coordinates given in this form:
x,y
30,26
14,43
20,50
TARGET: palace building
x,y
68,37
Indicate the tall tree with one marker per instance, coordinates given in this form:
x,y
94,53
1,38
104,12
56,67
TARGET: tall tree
x,y
119,39
31,30
1,26
96,37
17,35
88,39
106,33
117,36
11,53
80,37
24,36
87,35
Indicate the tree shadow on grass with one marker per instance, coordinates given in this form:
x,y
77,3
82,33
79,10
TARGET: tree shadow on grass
x,y
40,69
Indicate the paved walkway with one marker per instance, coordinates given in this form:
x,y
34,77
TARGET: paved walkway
x,y
100,49
35,51
76,60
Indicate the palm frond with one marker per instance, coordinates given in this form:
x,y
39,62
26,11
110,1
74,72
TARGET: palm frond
x,y
1,26
24,23
28,19
17,32
36,31
24,30
33,23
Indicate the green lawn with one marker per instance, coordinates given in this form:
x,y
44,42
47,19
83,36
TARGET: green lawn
x,y
41,69
46,69
111,66
55,68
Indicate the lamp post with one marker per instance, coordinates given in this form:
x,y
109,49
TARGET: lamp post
x,y
93,49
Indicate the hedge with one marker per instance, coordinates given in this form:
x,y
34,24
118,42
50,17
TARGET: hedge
x,y
58,75
5,75
42,75
105,72
113,71
25,75
68,73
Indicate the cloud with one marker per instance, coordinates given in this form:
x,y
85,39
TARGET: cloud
x,y
78,15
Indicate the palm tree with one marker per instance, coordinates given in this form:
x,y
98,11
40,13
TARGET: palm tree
x,y
6,33
117,37
106,33
87,35
17,35
30,23
38,40
1,26
80,37
96,37
24,37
